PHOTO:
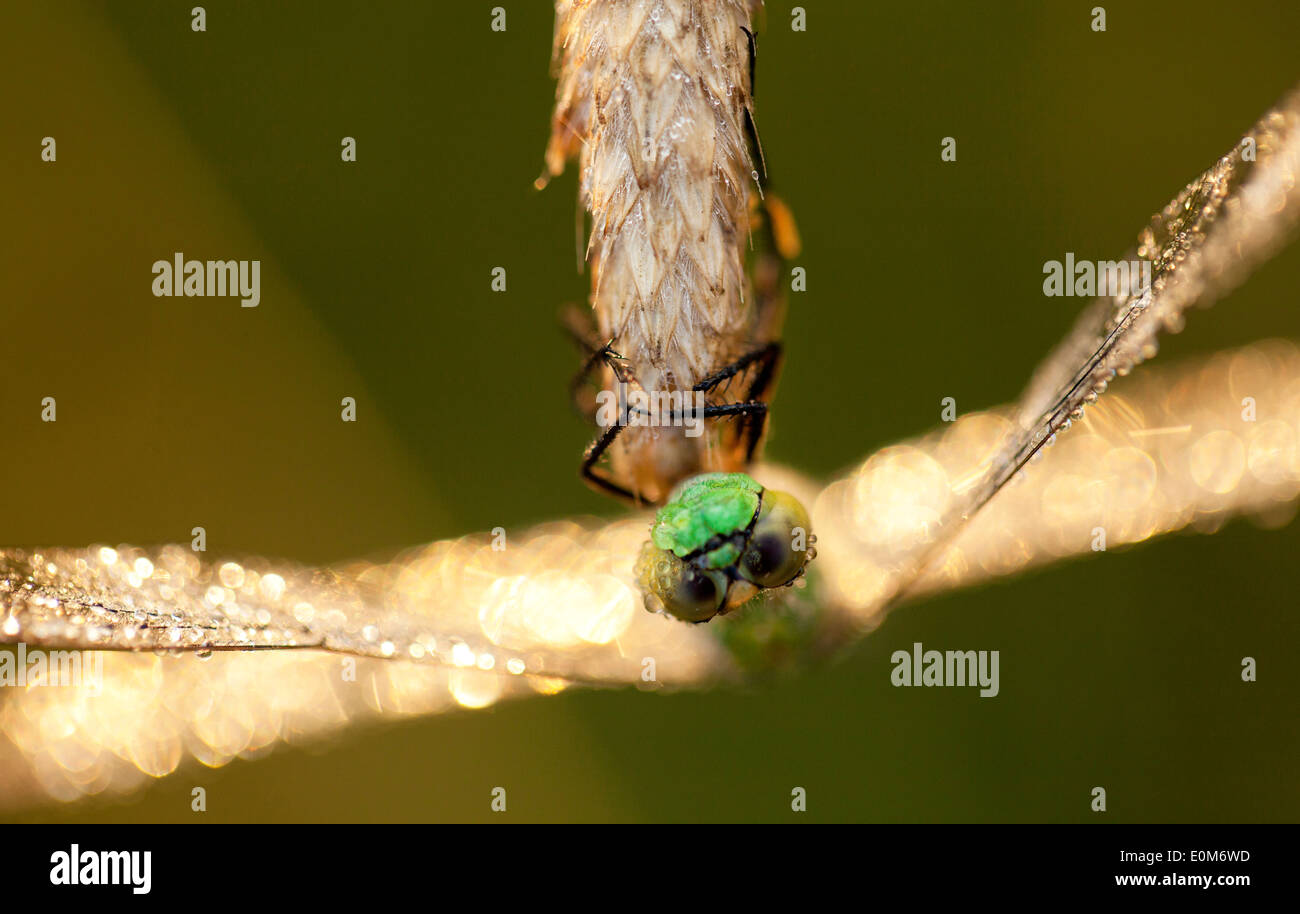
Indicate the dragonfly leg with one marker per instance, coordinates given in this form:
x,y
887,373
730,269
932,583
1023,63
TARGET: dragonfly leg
x,y
606,356
599,480
766,356
595,478
753,60
754,420
583,333
754,416
769,360
759,389
580,327
752,412
751,129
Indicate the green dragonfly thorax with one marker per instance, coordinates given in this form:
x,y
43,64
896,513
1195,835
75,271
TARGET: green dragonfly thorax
x,y
704,507
719,540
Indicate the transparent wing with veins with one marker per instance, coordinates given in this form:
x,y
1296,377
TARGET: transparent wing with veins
x,y
1207,240
1209,237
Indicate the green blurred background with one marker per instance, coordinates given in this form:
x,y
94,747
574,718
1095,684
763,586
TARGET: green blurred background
x,y
924,281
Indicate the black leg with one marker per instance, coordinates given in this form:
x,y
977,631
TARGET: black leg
x,y
765,354
582,331
596,450
752,413
605,355
751,129
753,420
769,357
600,480
757,151
721,410
753,427
758,390
753,60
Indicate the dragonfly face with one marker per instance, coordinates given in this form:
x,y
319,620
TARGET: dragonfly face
x,y
720,540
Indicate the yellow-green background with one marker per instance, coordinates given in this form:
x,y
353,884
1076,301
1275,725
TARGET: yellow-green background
x,y
924,281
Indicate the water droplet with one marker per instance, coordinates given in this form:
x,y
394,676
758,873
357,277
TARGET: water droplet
x,y
232,575
272,586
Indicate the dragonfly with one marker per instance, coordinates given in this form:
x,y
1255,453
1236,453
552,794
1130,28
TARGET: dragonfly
x,y
182,647
657,102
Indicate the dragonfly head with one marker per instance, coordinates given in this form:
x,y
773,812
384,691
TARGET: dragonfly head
x,y
720,540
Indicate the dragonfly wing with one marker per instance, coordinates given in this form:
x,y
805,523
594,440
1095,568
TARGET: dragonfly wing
x,y
884,525
184,658
1166,450
1200,246
556,602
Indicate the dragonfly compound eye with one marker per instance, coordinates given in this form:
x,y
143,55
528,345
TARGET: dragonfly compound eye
x,y
777,548
680,588
698,595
